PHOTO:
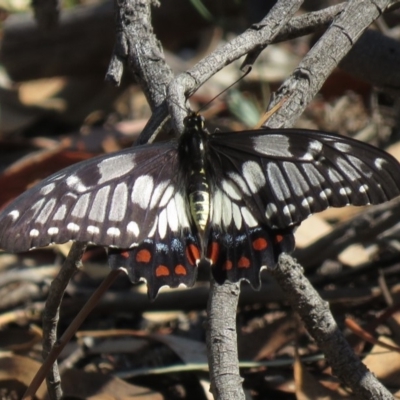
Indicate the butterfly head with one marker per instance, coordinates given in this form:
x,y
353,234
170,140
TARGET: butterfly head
x,y
194,121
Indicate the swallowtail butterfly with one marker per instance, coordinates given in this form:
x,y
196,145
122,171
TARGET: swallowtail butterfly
x,y
230,198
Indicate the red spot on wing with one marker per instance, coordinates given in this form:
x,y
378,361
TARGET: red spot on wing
x,y
213,252
192,254
260,244
162,270
278,238
227,265
180,270
244,262
143,256
125,254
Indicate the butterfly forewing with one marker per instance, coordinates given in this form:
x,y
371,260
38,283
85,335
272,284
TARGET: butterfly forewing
x,y
261,184
114,200
284,176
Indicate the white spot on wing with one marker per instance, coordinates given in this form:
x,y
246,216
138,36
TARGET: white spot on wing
x,y
380,162
172,215
142,191
99,205
73,227
166,196
231,190
36,207
217,208
46,211
360,165
53,230
313,175
363,189
297,181
112,231
226,210
345,191
253,175
314,148
248,217
75,183
157,193
115,167
325,194
153,229
119,202
343,147
271,210
278,182
288,210
307,202
182,211
81,206
348,170
272,145
334,176
14,214
45,190
93,230
60,213
240,182
34,233
237,216
133,227
162,224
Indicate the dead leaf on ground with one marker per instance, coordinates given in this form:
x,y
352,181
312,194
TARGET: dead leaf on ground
x,y
384,364
309,388
97,386
17,372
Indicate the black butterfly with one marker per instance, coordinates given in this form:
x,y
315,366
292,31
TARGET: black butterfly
x,y
230,198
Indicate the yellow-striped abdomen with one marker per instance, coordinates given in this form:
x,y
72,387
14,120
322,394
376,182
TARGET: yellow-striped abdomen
x,y
199,199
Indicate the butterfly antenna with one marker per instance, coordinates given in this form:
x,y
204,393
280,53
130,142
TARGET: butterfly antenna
x,y
225,90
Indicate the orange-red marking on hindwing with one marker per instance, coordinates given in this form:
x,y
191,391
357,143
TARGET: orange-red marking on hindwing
x,y
244,262
278,238
227,265
260,244
180,270
192,254
213,252
143,256
125,254
162,270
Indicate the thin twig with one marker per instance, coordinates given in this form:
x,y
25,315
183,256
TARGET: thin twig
x,y
321,60
221,338
138,48
321,325
259,35
70,331
51,315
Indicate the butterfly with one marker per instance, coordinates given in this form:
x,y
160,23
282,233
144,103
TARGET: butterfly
x,y
232,199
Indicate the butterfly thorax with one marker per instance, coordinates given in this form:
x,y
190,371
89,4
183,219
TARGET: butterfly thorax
x,y
192,151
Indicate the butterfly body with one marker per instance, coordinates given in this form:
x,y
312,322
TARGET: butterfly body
x,y
232,199
192,158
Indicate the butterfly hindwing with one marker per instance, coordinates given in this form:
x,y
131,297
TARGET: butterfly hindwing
x,y
238,245
286,175
170,261
112,200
